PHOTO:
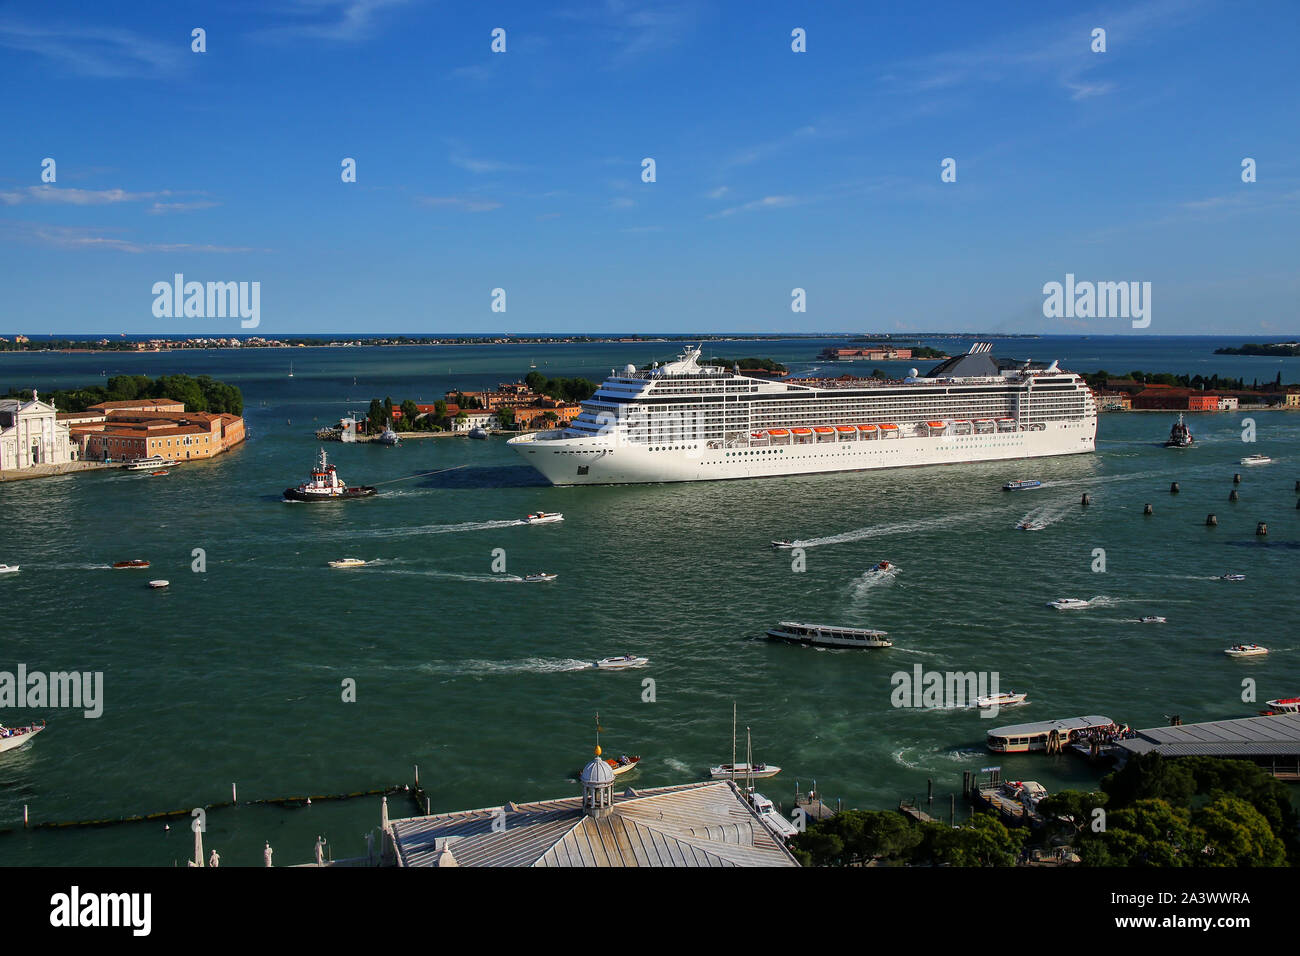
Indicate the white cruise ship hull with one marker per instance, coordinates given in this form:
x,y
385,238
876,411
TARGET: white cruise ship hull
x,y
604,460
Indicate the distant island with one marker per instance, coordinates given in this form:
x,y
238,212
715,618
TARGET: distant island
x,y
1284,349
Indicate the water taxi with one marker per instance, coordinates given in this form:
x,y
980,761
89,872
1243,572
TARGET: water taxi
x,y
1256,460
133,563
623,764
11,738
8,569
884,567
159,584
544,517
326,485
1069,604
1245,650
1232,577
539,576
621,663
1004,699
1026,738
157,474
780,827
1022,484
1285,705
347,563
825,635
783,544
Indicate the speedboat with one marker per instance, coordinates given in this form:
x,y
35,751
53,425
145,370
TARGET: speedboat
x,y
133,563
8,569
1004,699
1022,484
540,576
1069,604
1246,650
159,584
1287,705
326,485
729,771
1180,436
783,544
884,567
1232,577
347,563
623,764
1256,460
544,517
11,738
1029,526
621,663
1152,620
157,474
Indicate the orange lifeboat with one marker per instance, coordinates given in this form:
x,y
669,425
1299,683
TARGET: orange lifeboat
x,y
888,426
866,428
824,430
937,424
846,429
778,432
802,431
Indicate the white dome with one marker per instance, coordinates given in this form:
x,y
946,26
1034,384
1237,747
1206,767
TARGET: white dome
x,y
597,773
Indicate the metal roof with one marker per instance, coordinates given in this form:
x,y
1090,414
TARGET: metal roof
x,y
696,824
1046,726
1276,735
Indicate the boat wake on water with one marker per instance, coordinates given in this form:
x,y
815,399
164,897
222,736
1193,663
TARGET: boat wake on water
x,y
422,529
1040,518
884,530
530,665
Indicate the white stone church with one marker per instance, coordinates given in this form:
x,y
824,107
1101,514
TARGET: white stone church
x,y
31,434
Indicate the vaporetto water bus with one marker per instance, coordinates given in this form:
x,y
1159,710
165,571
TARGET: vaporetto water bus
x,y
826,635
1025,738
683,421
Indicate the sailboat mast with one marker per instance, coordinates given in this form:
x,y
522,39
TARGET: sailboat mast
x,y
733,740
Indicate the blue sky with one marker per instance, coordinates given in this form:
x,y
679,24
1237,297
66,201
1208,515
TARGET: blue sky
x,y
775,169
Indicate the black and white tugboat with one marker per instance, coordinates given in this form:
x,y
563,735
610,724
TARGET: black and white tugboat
x,y
326,485
1180,436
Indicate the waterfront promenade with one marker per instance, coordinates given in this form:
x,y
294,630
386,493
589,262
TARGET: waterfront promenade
x,y
46,471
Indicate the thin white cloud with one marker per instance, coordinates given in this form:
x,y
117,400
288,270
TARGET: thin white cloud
x,y
82,238
76,197
340,21
463,203
635,29
483,165
95,51
767,202
719,192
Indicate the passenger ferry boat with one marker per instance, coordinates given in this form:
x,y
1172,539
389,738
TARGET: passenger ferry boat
x,y
824,635
151,463
326,485
11,738
1026,738
1180,436
683,421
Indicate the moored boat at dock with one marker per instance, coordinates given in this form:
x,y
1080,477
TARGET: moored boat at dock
x,y
1285,705
326,485
826,635
1050,736
779,826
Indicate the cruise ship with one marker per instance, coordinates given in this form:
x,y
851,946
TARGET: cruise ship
x,y
683,421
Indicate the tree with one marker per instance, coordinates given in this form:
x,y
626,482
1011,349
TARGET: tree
x,y
506,416
440,410
409,414
1236,834
375,417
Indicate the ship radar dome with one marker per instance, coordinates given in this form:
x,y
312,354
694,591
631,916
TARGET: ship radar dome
x,y
630,369
913,373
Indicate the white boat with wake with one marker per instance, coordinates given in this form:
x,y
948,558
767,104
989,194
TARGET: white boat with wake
x,y
538,577
1246,650
1257,460
152,463
1069,604
544,517
348,563
1152,619
783,545
8,569
623,663
11,738
1008,698
1232,577
827,635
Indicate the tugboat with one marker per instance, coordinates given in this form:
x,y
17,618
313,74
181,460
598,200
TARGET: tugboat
x,y
326,485
1180,436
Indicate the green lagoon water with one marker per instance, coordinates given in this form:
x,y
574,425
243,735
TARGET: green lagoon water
x,y
235,674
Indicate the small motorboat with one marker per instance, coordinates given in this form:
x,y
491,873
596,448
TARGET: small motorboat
x,y
159,584
1256,460
1232,577
157,474
623,764
1246,650
478,431
544,517
1004,699
1030,526
1069,604
11,738
1285,705
134,563
884,567
347,563
738,771
1152,620
783,544
1022,484
539,576
389,437
621,663
8,569
779,826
